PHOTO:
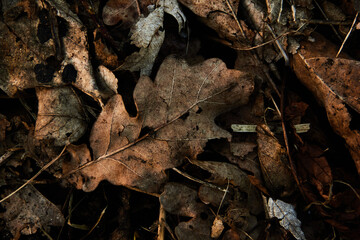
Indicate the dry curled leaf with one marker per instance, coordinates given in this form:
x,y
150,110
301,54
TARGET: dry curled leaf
x,y
147,34
273,162
335,84
178,109
28,210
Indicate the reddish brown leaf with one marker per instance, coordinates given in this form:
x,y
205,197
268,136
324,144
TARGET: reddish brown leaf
x,y
180,107
181,200
28,210
273,162
124,11
313,167
334,82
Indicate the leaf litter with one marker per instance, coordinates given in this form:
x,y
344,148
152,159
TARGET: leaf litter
x,y
175,143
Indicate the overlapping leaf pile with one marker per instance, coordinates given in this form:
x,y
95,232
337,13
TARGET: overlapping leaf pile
x,y
88,61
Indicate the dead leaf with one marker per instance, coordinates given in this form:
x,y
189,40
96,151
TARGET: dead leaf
x,y
217,228
273,162
123,11
334,82
200,93
108,83
181,200
314,168
217,15
4,124
37,59
147,34
103,54
28,210
60,115
287,215
222,172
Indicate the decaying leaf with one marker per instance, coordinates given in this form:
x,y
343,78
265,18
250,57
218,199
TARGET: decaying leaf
x,y
223,172
313,168
218,16
217,228
286,213
147,34
36,60
123,11
178,109
28,210
108,83
60,116
273,162
4,124
335,83
181,200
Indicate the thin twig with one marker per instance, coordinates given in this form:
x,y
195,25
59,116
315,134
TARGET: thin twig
x,y
348,34
332,26
36,175
235,18
198,180
161,226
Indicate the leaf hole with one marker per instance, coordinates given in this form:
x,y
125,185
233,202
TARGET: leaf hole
x,y
184,116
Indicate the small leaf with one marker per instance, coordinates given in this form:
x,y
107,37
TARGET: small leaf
x,y
287,215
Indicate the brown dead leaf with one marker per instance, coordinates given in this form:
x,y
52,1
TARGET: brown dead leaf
x,y
123,11
335,83
4,124
218,16
222,172
29,60
60,115
28,210
314,168
178,109
181,200
273,162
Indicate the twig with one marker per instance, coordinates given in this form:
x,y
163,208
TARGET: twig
x,y
279,45
348,34
235,18
36,175
332,27
198,180
161,226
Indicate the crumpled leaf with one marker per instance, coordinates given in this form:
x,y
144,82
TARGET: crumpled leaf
x,y
286,213
335,84
60,115
273,159
148,36
28,210
178,109
181,200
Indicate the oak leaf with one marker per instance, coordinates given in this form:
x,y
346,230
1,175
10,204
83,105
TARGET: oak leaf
x,y
177,110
